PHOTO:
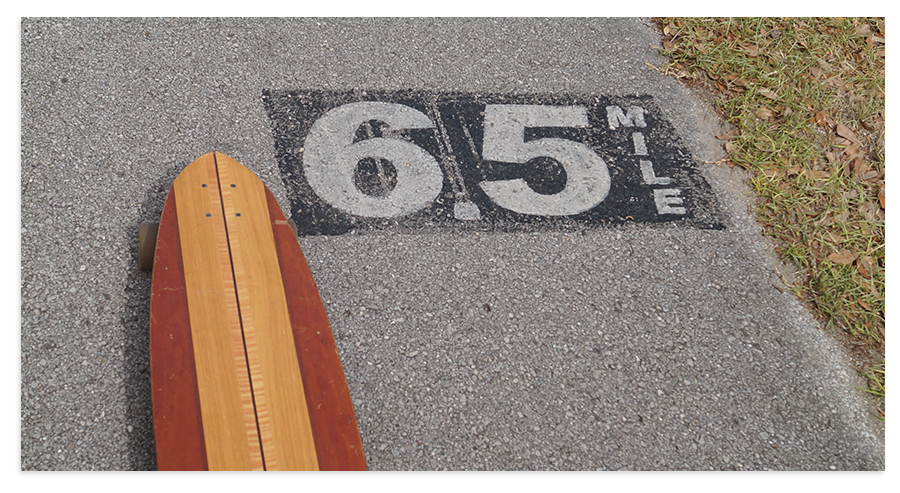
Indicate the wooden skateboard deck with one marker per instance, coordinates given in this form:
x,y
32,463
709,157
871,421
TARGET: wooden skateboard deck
x,y
244,370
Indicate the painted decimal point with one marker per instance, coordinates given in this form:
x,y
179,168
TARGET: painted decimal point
x,y
331,159
466,211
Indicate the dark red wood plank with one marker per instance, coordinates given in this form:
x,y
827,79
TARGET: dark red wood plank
x,y
338,444
177,423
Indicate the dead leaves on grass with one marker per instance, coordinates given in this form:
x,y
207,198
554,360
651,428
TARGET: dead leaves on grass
x,y
844,257
768,93
765,114
751,50
845,132
865,265
825,197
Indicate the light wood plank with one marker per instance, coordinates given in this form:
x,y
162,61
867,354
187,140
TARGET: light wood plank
x,y
281,408
226,402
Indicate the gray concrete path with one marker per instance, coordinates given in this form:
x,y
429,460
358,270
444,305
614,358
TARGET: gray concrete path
x,y
556,345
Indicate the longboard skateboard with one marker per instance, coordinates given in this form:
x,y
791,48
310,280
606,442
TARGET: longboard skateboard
x,y
244,370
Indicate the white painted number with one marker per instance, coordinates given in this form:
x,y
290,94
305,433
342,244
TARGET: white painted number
x,y
587,178
331,158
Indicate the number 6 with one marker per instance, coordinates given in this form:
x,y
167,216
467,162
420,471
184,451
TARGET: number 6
x,y
587,178
331,157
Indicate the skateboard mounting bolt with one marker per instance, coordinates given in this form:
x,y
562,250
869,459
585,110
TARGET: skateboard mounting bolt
x,y
208,215
233,185
238,214
204,185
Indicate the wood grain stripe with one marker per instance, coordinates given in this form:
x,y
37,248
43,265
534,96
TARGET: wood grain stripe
x,y
281,408
177,423
226,401
338,444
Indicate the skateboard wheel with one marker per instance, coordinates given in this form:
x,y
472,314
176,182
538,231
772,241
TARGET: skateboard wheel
x,y
147,244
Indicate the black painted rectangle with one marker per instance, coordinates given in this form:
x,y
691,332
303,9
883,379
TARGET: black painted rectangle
x,y
666,187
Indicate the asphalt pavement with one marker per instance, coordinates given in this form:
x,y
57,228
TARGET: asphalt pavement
x,y
558,281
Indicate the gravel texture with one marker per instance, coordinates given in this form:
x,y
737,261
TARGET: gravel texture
x,y
632,347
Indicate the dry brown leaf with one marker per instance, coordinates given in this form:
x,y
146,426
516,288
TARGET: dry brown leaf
x,y
751,50
730,147
846,133
728,135
864,304
768,93
869,286
881,195
865,266
862,270
820,118
853,151
871,175
844,257
817,175
860,168
868,210
764,113
847,169
668,46
840,141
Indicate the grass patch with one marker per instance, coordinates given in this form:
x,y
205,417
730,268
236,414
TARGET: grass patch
x,y
875,375
805,99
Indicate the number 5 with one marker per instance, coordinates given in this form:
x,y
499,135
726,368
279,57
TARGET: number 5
x,y
587,178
